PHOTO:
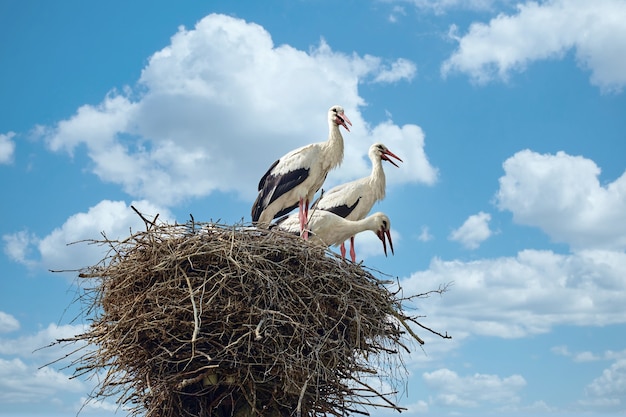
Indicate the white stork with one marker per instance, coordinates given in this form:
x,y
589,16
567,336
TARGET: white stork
x,y
354,200
294,179
329,229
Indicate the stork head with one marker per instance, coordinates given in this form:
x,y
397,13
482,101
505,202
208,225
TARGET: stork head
x,y
378,150
384,230
337,116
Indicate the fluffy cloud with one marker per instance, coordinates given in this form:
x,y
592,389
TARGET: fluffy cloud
x,y
514,297
587,356
425,235
7,147
25,376
8,323
96,126
400,70
609,389
442,6
452,390
39,345
561,194
102,407
24,383
396,13
66,246
217,106
546,30
474,231
19,247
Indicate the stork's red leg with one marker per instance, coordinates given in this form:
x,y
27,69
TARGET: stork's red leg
x,y
303,216
342,248
352,251
305,231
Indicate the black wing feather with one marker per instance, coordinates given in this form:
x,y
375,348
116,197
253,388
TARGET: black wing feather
x,y
275,186
286,210
267,174
343,210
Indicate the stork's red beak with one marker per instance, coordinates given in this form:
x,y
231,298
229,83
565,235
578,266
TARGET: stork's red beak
x,y
384,157
382,234
342,119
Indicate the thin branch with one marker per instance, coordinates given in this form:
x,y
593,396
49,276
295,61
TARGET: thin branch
x,y
149,223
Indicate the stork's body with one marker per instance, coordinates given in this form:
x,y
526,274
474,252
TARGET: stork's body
x,y
294,179
328,229
354,200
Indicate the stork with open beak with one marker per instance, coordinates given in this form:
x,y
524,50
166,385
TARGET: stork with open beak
x,y
294,179
355,199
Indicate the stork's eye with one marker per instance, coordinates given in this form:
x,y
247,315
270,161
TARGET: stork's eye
x,y
385,224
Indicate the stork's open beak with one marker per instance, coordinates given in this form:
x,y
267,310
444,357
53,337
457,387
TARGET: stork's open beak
x,y
384,157
343,119
382,234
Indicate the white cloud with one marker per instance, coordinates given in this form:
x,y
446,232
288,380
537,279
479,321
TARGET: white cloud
x,y
514,297
8,323
562,195
442,6
609,389
560,350
18,247
396,11
96,126
113,218
425,235
474,231
219,104
91,405
24,383
67,247
36,370
39,345
419,407
587,356
547,30
7,147
452,390
402,69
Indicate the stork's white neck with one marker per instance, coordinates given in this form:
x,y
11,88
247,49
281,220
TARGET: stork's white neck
x,y
331,230
358,226
377,179
333,147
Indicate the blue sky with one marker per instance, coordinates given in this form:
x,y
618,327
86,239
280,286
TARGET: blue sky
x,y
510,118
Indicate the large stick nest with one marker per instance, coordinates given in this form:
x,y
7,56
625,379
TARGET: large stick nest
x,y
209,320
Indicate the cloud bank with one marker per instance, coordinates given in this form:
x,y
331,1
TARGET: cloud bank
x,y
212,110
594,31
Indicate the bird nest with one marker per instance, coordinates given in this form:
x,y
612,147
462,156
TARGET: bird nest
x,y
203,319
